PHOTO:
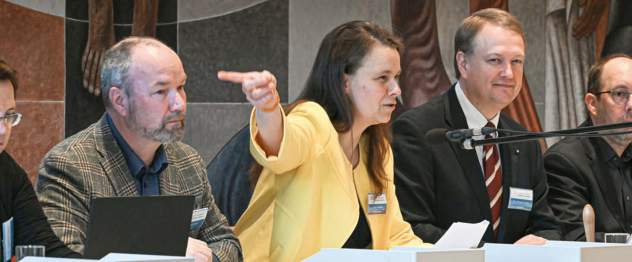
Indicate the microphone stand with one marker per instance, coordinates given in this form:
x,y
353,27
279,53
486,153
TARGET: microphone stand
x,y
588,131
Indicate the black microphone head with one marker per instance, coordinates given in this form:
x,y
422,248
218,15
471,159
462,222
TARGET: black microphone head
x,y
487,130
436,136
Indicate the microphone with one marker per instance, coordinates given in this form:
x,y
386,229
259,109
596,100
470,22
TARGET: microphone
x,y
438,135
589,131
460,134
463,136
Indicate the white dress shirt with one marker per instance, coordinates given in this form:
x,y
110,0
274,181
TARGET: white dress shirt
x,y
475,119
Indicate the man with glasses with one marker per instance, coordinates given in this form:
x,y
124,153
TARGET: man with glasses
x,y
18,202
596,170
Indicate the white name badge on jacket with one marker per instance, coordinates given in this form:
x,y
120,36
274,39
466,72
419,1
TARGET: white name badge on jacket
x,y
377,205
521,199
199,215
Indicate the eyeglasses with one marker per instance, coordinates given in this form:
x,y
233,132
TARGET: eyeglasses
x,y
619,96
12,119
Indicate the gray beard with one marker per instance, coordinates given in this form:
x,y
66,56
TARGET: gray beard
x,y
617,140
160,133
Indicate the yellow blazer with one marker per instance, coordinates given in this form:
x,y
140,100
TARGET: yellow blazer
x,y
306,199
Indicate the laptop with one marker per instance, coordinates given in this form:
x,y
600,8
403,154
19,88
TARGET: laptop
x,y
154,225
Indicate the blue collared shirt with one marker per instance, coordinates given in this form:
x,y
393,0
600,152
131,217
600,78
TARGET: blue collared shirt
x,y
145,177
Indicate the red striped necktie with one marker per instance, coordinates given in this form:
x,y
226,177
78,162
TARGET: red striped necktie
x,y
493,180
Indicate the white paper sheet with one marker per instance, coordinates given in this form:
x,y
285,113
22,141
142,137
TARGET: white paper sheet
x,y
463,235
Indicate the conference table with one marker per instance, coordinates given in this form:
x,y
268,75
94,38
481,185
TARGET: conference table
x,y
553,251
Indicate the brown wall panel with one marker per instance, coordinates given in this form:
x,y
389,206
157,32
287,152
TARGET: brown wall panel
x,y
41,128
33,43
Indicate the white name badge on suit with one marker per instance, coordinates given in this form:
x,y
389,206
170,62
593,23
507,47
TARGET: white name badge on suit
x,y
520,199
197,220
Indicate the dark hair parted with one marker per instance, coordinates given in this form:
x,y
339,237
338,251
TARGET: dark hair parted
x,y
116,64
7,73
471,25
594,75
341,52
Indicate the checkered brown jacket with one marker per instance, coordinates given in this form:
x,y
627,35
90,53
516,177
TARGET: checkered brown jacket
x,y
90,164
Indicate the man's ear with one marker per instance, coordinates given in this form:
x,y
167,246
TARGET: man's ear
x,y
591,104
119,101
461,62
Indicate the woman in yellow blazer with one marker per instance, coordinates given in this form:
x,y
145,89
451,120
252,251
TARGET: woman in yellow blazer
x,y
327,180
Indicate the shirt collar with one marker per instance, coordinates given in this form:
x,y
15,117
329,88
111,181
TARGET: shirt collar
x,y
135,164
475,119
607,153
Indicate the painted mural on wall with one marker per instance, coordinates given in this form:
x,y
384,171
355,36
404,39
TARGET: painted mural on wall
x,y
60,94
101,35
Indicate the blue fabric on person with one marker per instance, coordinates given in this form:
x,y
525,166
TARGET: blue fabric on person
x,y
145,177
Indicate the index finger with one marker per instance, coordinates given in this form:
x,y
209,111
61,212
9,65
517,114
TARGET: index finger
x,y
235,77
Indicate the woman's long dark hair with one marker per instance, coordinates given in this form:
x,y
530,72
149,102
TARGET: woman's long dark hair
x,y
342,52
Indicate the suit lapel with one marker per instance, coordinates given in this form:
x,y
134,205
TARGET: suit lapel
x,y
468,159
605,181
112,160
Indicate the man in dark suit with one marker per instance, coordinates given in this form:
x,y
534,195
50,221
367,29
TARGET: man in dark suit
x,y
442,184
134,149
18,202
596,170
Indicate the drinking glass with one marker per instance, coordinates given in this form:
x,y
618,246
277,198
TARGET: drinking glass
x,y
28,251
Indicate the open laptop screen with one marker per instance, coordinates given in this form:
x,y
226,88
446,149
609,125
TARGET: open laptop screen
x,y
155,225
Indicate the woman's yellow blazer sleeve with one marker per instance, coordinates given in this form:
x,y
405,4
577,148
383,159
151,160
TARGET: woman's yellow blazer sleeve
x,y
305,131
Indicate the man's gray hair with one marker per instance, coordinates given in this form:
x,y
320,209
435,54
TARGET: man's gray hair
x,y
116,64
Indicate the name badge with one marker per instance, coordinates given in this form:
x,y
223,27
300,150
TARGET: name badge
x,y
7,240
199,215
521,199
377,205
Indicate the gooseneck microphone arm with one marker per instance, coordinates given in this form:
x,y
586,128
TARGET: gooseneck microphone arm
x,y
520,136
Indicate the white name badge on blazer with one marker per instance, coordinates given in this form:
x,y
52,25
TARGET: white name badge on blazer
x,y
199,215
377,205
521,199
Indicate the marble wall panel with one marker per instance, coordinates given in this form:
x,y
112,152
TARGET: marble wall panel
x,y
311,20
539,107
41,128
51,7
209,126
255,38
33,44
197,10
450,13
530,14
